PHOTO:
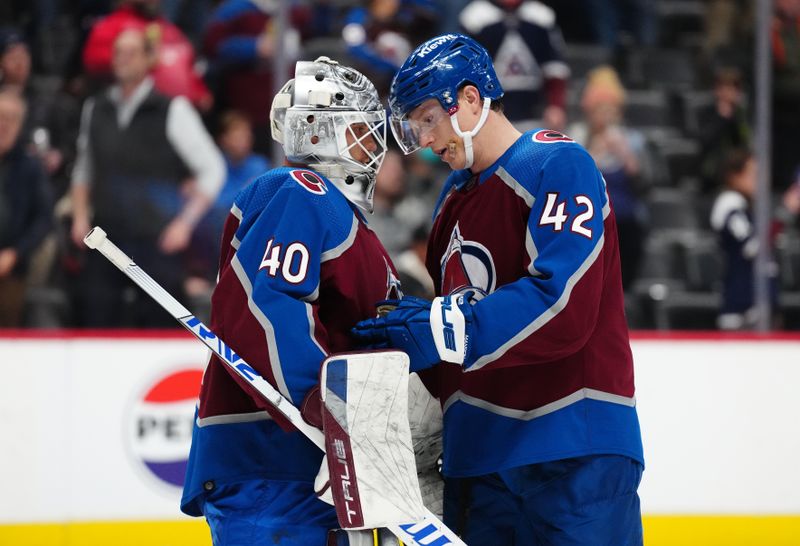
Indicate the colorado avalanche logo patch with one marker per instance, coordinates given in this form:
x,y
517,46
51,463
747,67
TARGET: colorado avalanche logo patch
x,y
310,181
467,265
547,136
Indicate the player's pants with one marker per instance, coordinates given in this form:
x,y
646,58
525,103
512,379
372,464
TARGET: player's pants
x,y
582,501
268,513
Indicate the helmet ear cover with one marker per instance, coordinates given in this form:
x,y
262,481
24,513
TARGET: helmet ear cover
x,y
330,118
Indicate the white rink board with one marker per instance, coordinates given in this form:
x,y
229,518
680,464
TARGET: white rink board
x,y
720,426
719,420
65,408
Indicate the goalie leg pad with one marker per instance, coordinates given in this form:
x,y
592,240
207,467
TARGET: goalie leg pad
x,y
373,476
425,420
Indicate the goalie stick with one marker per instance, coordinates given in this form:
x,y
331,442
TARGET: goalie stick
x,y
430,531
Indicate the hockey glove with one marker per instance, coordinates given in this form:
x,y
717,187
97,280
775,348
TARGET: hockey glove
x,y
428,332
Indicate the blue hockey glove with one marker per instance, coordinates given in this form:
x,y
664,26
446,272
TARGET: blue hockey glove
x,y
429,332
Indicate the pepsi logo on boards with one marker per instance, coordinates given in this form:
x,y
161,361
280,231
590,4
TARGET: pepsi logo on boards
x,y
159,425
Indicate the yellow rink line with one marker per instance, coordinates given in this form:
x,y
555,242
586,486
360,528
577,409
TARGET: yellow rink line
x,y
108,533
722,530
658,531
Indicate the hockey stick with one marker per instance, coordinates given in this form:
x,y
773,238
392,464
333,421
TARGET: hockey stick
x,y
430,531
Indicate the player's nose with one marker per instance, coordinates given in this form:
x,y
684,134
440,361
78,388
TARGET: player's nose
x,y
426,139
369,143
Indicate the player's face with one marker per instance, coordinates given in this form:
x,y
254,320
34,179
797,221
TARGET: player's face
x,y
433,128
361,143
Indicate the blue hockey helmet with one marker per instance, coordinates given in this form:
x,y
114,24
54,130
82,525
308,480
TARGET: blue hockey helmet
x,y
436,70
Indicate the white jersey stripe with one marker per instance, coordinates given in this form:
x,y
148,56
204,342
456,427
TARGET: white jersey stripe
x,y
528,415
335,252
237,213
340,249
529,199
233,418
518,188
269,330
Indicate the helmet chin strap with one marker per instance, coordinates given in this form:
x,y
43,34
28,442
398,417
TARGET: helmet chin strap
x,y
358,188
466,136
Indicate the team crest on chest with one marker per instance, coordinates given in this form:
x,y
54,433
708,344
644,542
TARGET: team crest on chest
x,y
467,265
310,181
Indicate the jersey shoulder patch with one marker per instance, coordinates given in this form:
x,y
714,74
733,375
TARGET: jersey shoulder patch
x,y
549,136
539,150
325,201
309,181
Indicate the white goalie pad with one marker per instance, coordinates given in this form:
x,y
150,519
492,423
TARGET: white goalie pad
x,y
425,421
373,474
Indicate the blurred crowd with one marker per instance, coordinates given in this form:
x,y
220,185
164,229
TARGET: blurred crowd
x,y
148,116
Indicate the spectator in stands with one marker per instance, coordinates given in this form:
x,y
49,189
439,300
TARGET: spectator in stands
x,y
15,74
786,91
732,219
26,208
621,155
50,126
240,43
381,34
527,49
15,59
723,126
174,73
148,171
235,139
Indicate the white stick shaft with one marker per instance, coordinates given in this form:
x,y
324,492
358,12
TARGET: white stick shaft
x,y
430,530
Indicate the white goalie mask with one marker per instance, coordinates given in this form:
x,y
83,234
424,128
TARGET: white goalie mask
x,y
330,118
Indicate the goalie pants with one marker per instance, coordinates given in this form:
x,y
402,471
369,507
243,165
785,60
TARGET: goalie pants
x,y
268,513
571,502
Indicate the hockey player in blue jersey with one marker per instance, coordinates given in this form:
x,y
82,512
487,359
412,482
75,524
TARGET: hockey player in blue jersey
x,y
526,344
298,268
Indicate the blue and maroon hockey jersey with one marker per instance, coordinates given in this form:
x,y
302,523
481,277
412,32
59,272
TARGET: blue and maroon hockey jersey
x,y
298,269
534,237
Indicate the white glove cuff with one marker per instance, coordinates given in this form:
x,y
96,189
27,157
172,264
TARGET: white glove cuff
x,y
449,330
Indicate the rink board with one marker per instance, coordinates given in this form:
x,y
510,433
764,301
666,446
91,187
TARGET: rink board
x,y
96,427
